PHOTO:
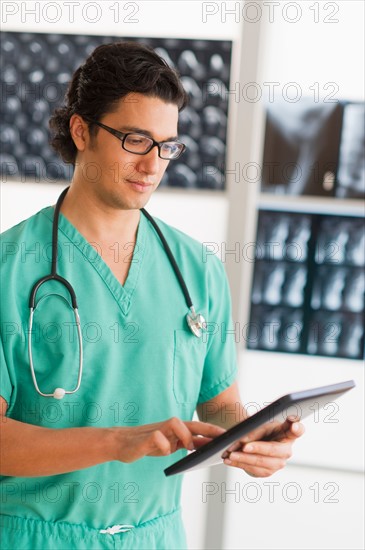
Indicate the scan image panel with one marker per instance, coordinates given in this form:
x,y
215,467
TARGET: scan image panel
x,y
36,71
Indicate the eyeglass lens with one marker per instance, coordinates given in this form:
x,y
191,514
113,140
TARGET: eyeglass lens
x,y
136,143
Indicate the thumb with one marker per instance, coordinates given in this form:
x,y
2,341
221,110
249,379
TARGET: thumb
x,y
290,429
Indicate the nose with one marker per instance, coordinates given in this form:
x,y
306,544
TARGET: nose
x,y
150,163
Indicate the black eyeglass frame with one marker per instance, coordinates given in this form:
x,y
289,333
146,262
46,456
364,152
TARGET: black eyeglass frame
x,y
122,137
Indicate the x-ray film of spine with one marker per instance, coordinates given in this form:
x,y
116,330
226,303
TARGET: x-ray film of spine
x,y
275,329
314,149
351,170
336,334
308,289
340,240
36,71
284,238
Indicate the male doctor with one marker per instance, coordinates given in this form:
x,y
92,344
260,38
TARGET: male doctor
x,y
86,471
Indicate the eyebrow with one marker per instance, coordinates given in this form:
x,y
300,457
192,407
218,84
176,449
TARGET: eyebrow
x,y
126,129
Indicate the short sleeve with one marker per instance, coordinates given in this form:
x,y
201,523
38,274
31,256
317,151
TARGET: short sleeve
x,y
220,367
5,383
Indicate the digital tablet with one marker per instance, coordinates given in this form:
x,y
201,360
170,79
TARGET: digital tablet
x,y
300,404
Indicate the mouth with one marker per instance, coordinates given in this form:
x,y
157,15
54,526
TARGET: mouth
x,y
140,186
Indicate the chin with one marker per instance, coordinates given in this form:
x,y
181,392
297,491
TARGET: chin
x,y
136,202
127,200
140,199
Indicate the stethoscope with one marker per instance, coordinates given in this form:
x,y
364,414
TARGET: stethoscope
x,y
195,321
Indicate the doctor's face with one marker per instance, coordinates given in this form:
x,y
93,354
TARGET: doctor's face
x,y
119,178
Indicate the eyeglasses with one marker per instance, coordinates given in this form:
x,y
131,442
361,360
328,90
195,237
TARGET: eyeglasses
x,y
140,144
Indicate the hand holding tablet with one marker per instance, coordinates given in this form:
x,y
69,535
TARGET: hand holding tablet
x,y
273,423
265,450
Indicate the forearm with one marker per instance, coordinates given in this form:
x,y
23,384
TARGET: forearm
x,y
224,410
224,415
27,450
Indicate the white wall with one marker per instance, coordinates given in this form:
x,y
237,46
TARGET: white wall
x,y
304,52
301,508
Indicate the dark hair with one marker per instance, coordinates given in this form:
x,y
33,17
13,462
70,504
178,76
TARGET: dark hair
x,y
111,72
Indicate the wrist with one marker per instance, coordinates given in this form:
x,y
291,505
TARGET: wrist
x,y
112,443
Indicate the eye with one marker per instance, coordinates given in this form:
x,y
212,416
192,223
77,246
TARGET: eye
x,y
136,140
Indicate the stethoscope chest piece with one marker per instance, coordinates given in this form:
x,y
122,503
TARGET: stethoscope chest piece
x,y
196,322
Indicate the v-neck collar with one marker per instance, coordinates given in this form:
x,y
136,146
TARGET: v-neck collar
x,y
123,294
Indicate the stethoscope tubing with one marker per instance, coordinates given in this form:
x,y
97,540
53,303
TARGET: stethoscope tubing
x,y
195,321
178,274
81,358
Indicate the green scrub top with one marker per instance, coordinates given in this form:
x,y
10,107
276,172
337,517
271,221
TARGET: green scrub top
x,y
141,362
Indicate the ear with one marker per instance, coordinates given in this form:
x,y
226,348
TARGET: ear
x,y
79,132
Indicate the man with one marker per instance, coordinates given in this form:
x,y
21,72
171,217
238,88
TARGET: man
x,y
86,471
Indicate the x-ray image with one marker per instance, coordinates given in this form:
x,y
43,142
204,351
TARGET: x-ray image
x,y
275,329
297,241
336,334
270,330
332,240
36,70
293,287
268,283
355,249
283,236
354,292
292,330
272,234
279,283
341,240
302,141
351,169
324,334
264,329
339,289
352,337
313,300
328,289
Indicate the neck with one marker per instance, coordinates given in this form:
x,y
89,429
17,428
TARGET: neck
x,y
96,220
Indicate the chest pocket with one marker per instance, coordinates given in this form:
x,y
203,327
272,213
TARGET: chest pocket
x,y
189,357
